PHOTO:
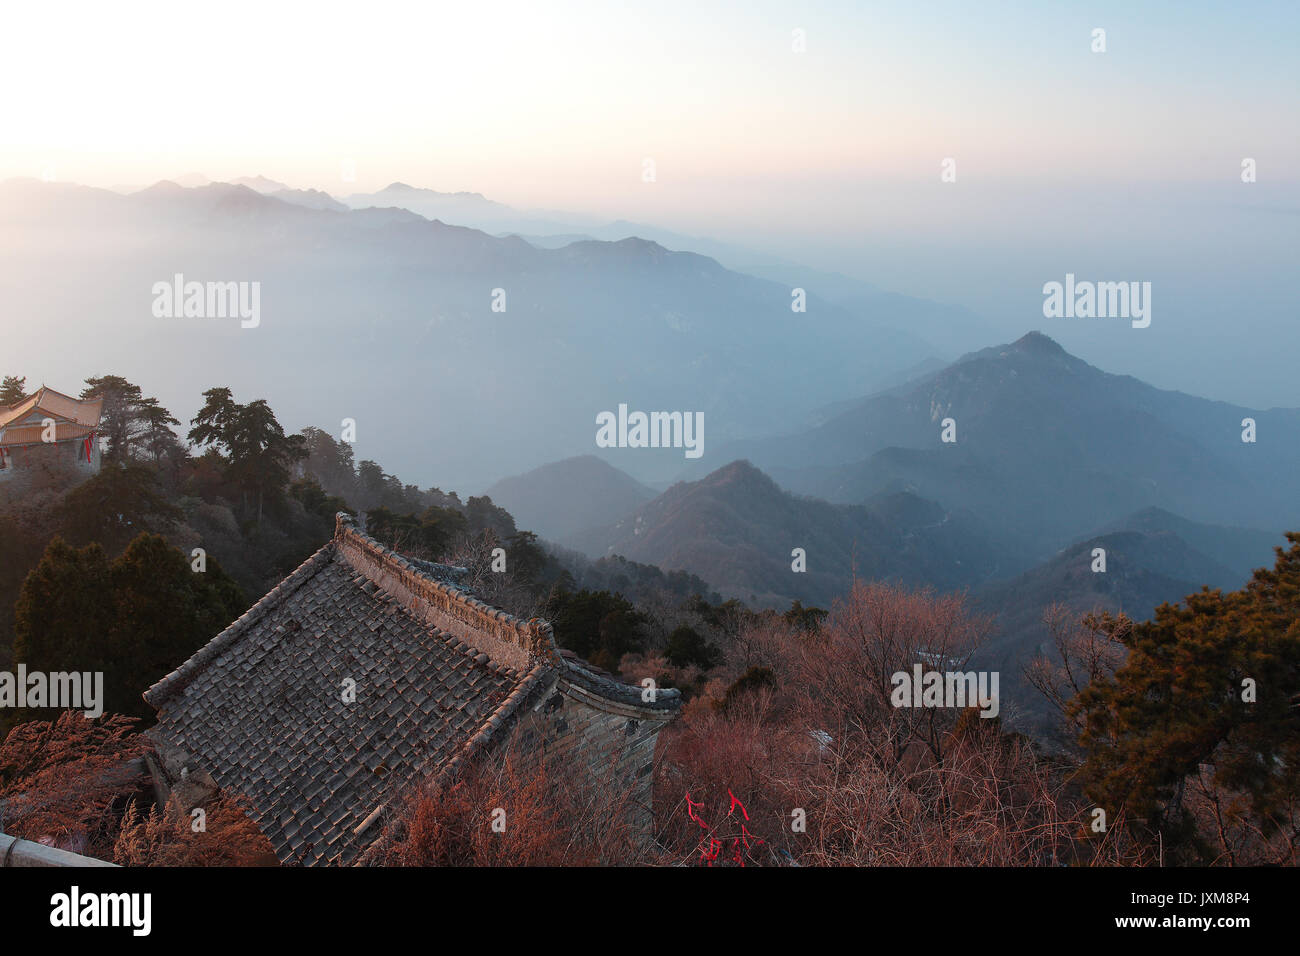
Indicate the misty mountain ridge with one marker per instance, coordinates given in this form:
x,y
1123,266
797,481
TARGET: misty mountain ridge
x,y
261,184
952,325
311,198
412,301
1047,446
385,316
740,525
1238,551
565,498
1144,569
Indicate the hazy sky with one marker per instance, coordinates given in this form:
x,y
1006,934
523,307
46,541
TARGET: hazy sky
x,y
558,103
1125,162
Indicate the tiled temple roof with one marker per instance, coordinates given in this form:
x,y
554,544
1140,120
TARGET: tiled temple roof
x,y
438,673
22,423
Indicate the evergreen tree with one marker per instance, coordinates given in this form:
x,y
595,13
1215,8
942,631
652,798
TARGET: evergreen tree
x,y
1209,685
526,557
215,422
330,463
62,616
314,499
257,452
805,618
13,390
483,515
370,485
429,535
164,611
686,647
597,625
261,455
158,438
134,619
114,506
118,422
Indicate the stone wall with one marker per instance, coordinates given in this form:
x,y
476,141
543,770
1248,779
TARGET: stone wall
x,y
56,465
503,637
611,739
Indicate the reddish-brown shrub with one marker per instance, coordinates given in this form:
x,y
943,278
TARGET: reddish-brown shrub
x,y
831,773
60,780
548,811
168,837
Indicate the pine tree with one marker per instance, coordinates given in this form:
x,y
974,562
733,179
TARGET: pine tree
x,y
114,506
134,619
13,390
62,617
258,454
164,611
156,423
1212,683
118,420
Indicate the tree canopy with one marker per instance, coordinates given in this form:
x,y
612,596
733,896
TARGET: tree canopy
x,y
13,389
258,453
1209,694
133,618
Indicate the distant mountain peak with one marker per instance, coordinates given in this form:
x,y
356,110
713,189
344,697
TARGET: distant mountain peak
x,y
259,183
1039,344
162,187
1033,346
422,194
639,245
569,496
741,471
738,468
634,251
310,198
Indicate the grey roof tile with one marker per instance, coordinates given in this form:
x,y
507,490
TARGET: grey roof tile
x,y
271,697
260,705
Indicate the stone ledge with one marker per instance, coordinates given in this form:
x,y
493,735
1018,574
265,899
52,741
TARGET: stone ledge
x,y
18,852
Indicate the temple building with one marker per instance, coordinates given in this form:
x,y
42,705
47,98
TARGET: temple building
x,y
365,674
53,428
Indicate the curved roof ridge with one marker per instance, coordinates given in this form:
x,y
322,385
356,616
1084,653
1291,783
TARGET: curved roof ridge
x,y
506,638
579,672
67,407
534,636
